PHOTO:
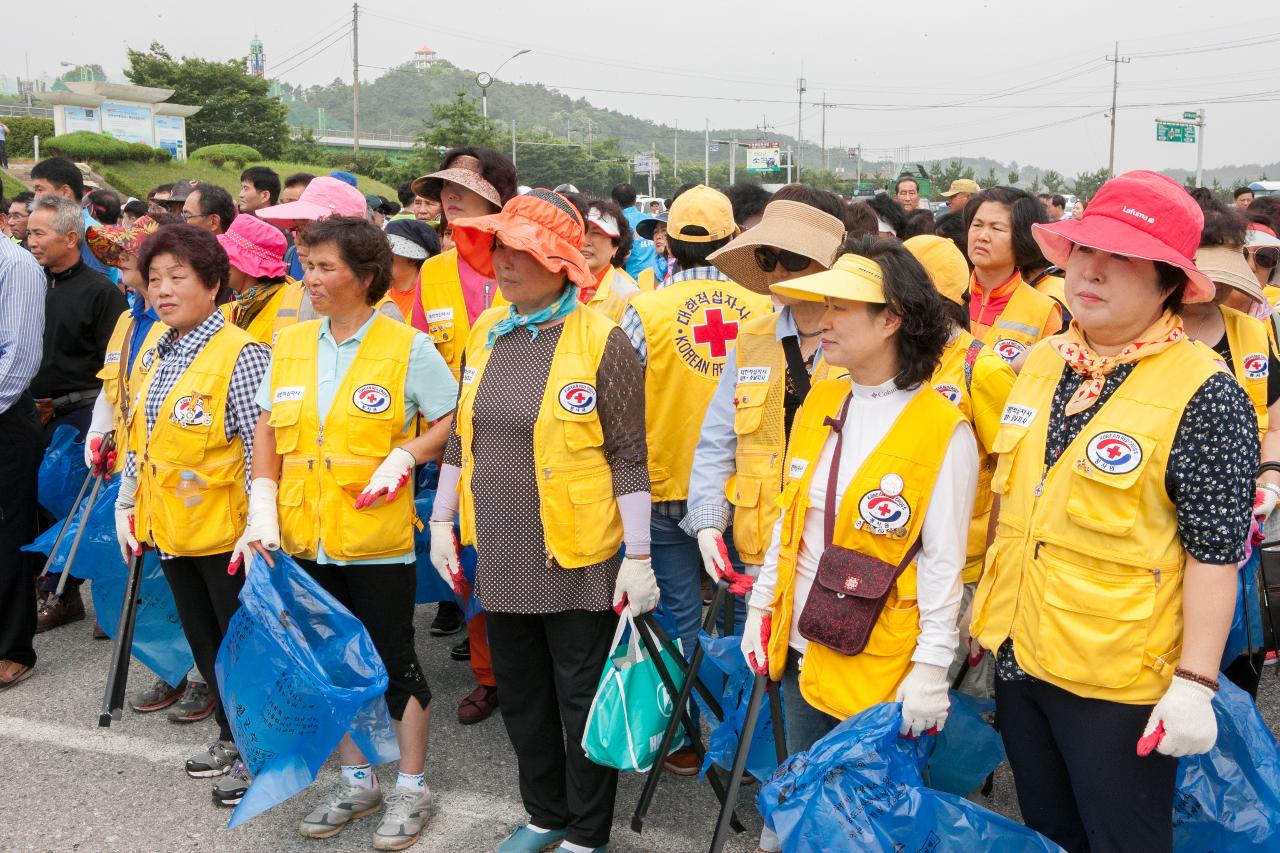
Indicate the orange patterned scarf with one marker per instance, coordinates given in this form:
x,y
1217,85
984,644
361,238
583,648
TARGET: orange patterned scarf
x,y
1071,345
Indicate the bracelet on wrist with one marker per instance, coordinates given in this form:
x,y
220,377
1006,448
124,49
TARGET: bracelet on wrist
x,y
1267,466
1202,680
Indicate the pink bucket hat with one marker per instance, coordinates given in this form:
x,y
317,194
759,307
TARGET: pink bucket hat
x,y
1139,214
323,197
254,247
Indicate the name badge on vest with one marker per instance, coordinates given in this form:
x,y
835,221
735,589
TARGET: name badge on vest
x,y
192,410
747,375
114,358
798,467
440,315
468,375
1019,416
288,394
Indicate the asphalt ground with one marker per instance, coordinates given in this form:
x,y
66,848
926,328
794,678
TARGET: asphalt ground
x,y
66,784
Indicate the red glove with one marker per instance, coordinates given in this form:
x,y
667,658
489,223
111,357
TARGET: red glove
x,y
102,453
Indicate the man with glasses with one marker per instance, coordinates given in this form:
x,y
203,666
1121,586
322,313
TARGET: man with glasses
x,y
1262,251
18,213
209,207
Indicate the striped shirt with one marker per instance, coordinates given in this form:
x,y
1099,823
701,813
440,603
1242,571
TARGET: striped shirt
x,y
22,295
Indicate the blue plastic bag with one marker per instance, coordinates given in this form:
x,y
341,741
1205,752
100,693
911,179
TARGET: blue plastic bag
x,y
297,671
158,641
431,587
1246,623
861,788
725,654
1229,798
62,471
967,748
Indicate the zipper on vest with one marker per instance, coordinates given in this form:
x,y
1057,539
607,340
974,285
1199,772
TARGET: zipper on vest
x,y
1156,574
1031,521
320,436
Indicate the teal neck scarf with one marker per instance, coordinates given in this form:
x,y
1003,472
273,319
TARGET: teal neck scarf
x,y
562,307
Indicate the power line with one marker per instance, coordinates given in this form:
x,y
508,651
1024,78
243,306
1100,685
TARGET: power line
x,y
295,54
1252,41
340,37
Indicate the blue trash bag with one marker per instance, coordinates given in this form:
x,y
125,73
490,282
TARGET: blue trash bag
x,y
158,641
296,672
861,788
1246,623
431,587
967,748
725,654
62,471
1229,797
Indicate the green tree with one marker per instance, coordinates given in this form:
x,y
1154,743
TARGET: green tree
x,y
1013,177
1054,182
234,106
942,176
1087,183
991,179
456,122
82,73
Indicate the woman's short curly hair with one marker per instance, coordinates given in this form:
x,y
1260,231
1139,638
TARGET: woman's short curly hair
x,y
363,247
925,322
194,246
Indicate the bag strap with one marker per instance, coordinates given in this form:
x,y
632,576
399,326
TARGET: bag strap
x,y
970,357
800,380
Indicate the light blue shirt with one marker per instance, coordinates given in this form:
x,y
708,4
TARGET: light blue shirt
x,y
429,389
714,459
87,255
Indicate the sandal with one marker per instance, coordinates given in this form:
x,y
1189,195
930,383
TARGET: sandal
x,y
478,705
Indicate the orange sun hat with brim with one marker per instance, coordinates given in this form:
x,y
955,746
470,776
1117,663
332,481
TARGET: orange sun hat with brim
x,y
788,225
944,263
111,243
853,277
540,222
465,171
1139,214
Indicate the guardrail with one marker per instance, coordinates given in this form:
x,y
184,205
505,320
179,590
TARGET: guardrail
x,y
24,110
375,135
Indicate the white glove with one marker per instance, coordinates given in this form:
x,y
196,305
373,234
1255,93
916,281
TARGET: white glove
x,y
1264,502
100,423
637,588
263,525
444,552
755,639
715,557
125,501
390,477
923,694
1186,714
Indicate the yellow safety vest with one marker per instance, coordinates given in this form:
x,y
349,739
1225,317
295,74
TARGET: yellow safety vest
x,y
117,380
607,300
759,420
1250,358
1086,572
327,464
446,307
981,397
579,512
1055,287
280,311
914,448
1021,325
190,435
689,328
644,281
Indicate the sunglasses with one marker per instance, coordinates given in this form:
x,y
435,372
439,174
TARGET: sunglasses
x,y
1267,257
768,258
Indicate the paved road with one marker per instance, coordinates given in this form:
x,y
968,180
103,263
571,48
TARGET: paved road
x,y
65,784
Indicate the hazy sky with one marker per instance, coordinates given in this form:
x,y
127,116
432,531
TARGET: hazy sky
x,y
1024,81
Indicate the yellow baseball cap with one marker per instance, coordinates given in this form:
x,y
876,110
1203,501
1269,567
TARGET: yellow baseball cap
x,y
943,262
961,185
704,208
853,277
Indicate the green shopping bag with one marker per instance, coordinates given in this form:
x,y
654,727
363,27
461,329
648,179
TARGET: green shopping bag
x,y
631,707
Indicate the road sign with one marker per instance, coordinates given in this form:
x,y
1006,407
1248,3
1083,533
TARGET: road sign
x,y
1191,116
713,148
1166,132
764,157
645,164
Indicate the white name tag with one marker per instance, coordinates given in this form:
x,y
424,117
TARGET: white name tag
x,y
753,374
439,315
798,467
1020,416
289,394
468,375
112,358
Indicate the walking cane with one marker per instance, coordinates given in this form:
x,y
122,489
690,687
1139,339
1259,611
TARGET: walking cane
x,y
122,647
66,521
686,690
100,477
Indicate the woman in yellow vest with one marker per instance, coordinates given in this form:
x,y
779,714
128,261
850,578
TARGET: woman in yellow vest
x,y
605,247
1125,481
471,182
266,300
547,469
1005,312
190,425
881,471
977,380
337,446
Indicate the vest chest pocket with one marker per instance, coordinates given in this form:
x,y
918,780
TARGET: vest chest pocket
x,y
284,419
1093,625
188,430
371,412
581,430
749,408
1106,482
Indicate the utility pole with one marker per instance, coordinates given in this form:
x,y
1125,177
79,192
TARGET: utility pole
x,y
355,78
733,159
706,154
513,142
825,164
675,154
1200,148
800,90
1115,61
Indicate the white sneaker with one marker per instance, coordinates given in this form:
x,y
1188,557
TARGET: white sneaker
x,y
347,803
407,813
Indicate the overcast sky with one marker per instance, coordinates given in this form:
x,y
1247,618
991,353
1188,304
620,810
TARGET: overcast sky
x,y
1010,80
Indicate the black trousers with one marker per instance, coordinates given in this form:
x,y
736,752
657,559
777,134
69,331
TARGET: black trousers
x,y
1079,778
547,667
19,464
80,418
381,596
206,597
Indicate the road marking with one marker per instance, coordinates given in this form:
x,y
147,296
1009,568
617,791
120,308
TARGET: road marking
x,y
103,741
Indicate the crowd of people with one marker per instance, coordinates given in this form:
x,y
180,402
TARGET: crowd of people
x,y
1003,447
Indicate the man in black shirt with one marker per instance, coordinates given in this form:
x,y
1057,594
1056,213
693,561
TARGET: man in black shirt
x,y
81,309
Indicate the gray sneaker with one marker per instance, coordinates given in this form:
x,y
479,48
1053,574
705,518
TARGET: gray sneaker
x,y
214,761
407,813
230,789
347,804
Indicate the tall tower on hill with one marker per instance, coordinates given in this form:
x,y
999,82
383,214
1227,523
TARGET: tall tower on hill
x,y
257,62
423,58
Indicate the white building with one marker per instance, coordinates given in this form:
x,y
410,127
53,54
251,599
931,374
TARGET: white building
x,y
123,111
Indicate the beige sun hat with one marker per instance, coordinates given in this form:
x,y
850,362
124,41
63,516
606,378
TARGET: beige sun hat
x,y
1226,265
790,225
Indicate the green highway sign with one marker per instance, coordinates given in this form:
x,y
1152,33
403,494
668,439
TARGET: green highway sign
x,y
1175,132
1191,116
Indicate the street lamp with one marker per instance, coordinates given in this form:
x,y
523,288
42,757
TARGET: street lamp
x,y
484,79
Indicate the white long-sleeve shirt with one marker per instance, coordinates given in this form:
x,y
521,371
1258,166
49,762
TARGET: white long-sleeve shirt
x,y
944,535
